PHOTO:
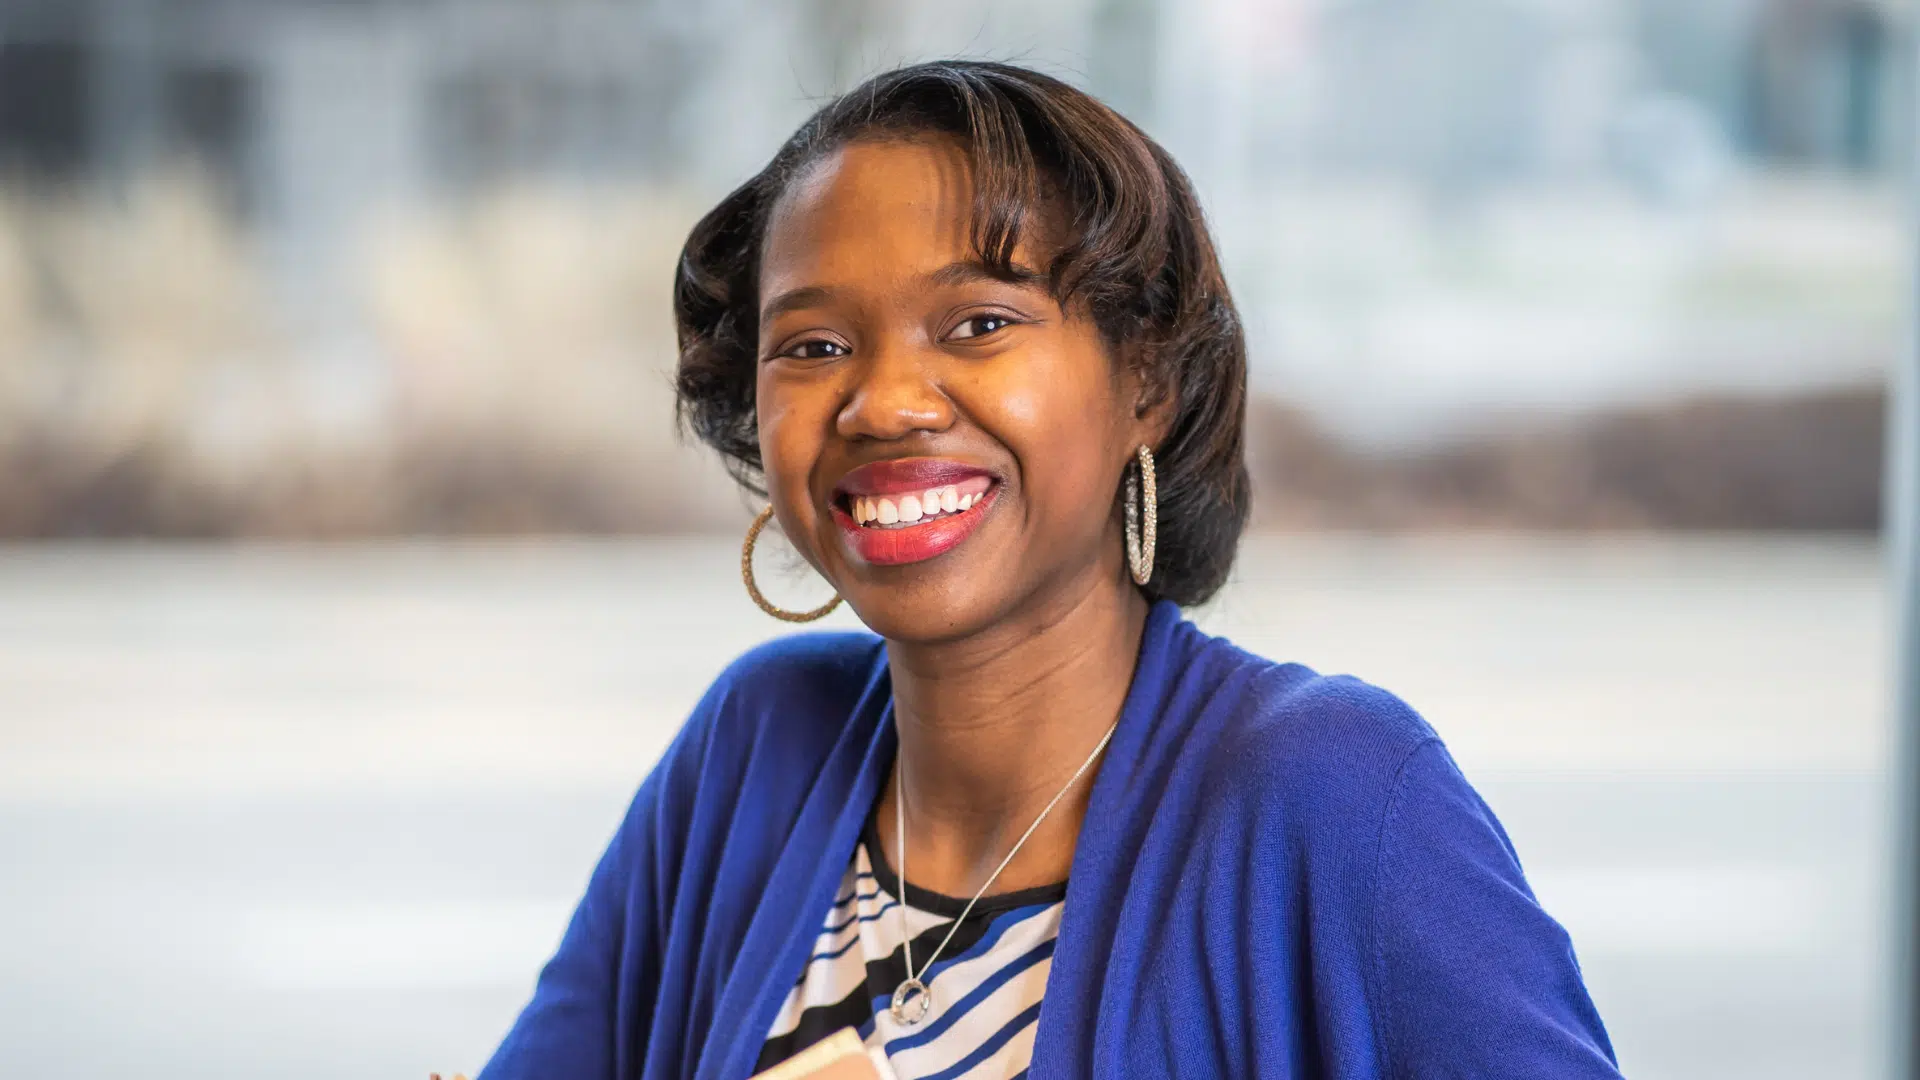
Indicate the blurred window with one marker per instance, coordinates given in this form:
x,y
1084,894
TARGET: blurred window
x,y
44,109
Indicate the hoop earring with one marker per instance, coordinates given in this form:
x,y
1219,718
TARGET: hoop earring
x,y
753,590
1140,488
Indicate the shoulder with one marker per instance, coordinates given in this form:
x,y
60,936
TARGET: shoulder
x,y
1332,775
1286,731
788,698
774,714
809,682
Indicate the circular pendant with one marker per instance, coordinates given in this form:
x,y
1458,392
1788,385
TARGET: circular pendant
x,y
911,1000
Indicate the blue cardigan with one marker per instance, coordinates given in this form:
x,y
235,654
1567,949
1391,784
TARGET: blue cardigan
x,y
1281,874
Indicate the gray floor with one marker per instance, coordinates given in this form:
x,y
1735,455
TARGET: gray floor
x,y
321,812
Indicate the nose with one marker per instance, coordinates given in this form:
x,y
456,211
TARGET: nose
x,y
896,393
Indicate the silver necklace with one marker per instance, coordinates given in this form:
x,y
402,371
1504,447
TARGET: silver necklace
x,y
911,999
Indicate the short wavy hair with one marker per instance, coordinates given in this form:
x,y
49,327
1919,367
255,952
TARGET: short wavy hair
x,y
1132,248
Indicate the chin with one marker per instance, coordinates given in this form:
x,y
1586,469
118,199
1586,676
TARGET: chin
x,y
923,612
933,576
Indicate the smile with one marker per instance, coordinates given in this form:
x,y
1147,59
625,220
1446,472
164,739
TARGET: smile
x,y
910,510
904,511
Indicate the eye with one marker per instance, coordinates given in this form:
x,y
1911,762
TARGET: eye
x,y
978,326
815,349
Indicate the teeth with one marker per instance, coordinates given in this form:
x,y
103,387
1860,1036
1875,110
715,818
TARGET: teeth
x,y
913,507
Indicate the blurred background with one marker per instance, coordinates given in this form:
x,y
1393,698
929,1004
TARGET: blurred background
x,y
352,573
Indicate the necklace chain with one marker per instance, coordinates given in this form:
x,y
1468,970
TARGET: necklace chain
x,y
912,984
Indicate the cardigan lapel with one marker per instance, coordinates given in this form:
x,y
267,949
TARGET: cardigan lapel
x,y
1066,1036
802,884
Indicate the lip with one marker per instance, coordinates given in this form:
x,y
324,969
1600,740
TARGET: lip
x,y
901,476
915,543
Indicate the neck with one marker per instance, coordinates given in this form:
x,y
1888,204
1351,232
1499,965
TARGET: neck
x,y
991,727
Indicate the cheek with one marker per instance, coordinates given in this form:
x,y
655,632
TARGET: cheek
x,y
789,437
1054,415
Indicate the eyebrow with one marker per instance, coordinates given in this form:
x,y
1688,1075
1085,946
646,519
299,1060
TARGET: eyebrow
x,y
794,300
971,271
964,272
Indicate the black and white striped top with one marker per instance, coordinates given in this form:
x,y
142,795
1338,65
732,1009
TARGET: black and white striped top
x,y
986,986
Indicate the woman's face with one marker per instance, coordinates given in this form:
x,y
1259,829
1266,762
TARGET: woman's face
x,y
943,446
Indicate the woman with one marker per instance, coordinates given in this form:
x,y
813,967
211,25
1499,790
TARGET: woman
x,y
968,333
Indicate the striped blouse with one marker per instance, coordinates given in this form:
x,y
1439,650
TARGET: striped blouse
x,y
986,986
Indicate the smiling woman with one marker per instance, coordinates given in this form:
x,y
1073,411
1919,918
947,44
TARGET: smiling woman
x,y
968,334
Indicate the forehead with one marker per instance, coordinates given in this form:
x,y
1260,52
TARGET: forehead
x,y
867,209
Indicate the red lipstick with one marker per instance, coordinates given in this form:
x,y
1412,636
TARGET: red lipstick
x,y
903,475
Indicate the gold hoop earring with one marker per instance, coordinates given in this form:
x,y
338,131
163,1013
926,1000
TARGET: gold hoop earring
x,y
753,590
1140,489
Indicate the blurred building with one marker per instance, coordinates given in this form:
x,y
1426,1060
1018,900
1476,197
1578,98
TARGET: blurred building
x,y
284,100
1430,209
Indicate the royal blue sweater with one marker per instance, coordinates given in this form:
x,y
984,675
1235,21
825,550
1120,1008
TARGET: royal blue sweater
x,y
1281,874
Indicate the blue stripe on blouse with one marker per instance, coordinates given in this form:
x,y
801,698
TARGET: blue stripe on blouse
x,y
995,931
993,1044
884,908
979,993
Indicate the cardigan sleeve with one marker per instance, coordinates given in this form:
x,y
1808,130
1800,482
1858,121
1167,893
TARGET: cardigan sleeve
x,y
1472,977
598,989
